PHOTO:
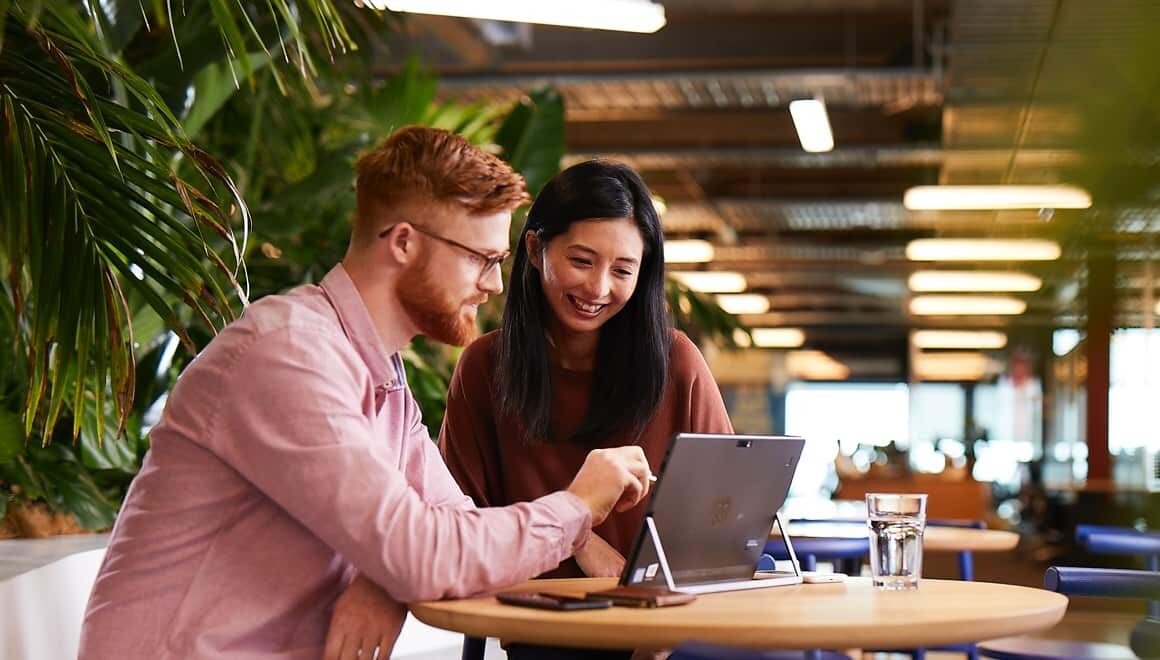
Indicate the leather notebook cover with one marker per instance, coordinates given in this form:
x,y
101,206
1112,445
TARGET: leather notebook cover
x,y
643,596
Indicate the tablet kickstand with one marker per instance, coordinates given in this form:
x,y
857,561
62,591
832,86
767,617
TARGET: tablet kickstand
x,y
797,569
664,562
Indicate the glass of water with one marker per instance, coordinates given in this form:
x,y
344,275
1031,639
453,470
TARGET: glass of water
x,y
896,524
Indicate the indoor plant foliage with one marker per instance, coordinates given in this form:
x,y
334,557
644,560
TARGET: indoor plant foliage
x,y
123,237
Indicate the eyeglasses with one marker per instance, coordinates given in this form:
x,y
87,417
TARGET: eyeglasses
x,y
486,262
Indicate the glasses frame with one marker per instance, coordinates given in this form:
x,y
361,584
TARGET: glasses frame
x,y
490,261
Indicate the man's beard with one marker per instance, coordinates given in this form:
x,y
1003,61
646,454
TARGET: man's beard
x,y
432,310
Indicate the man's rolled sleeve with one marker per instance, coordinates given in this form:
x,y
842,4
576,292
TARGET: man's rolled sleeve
x,y
299,430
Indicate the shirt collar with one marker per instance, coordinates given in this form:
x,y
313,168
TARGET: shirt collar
x,y
386,371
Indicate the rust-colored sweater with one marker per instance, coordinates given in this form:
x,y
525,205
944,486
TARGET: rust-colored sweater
x,y
491,459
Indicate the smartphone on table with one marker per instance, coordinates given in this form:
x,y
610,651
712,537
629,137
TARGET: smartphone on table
x,y
549,601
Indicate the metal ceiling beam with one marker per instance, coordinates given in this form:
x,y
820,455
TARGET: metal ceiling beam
x,y
920,154
789,77
742,88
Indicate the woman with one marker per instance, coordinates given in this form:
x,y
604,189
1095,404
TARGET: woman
x,y
585,357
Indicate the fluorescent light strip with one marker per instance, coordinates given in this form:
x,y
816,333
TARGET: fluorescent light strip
x,y
972,280
688,252
778,337
979,339
953,366
812,124
622,15
815,365
982,249
743,303
975,198
711,281
966,305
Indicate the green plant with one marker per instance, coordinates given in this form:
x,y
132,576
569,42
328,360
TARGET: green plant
x,y
702,319
113,221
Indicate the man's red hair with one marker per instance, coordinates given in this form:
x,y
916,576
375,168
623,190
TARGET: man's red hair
x,y
422,165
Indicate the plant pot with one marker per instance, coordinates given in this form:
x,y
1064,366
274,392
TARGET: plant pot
x,y
9,529
35,520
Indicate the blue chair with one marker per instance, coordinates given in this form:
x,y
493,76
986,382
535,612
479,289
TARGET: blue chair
x,y
1103,582
1121,541
1098,539
849,552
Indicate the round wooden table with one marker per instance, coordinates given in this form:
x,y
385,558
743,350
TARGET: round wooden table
x,y
844,615
934,538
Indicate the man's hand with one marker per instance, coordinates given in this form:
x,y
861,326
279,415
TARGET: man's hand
x,y
365,618
611,478
599,559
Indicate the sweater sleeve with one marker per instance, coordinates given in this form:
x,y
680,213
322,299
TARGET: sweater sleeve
x,y
705,406
468,439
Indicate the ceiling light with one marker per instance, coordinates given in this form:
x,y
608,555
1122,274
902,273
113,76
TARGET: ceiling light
x,y
743,303
953,366
711,281
812,124
688,252
982,249
623,15
954,305
815,365
972,280
778,337
980,339
968,198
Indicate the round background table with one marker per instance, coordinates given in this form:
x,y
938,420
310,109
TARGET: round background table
x,y
934,538
843,615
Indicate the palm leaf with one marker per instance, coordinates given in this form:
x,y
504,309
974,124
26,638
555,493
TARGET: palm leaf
x,y
700,317
247,27
532,137
91,192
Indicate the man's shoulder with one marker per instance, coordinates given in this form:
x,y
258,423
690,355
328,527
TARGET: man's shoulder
x,y
303,307
302,318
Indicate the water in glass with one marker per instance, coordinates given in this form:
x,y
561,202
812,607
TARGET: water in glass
x,y
896,550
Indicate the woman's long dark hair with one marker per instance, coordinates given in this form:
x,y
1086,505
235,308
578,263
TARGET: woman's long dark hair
x,y
632,357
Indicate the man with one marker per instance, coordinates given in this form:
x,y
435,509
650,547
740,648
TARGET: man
x,y
291,453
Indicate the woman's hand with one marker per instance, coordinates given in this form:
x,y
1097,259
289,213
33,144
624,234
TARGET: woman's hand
x,y
365,619
598,559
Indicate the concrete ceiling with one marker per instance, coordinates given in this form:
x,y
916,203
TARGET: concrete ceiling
x,y
918,92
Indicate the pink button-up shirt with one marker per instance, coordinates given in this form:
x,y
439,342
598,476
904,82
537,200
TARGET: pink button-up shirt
x,y
291,453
